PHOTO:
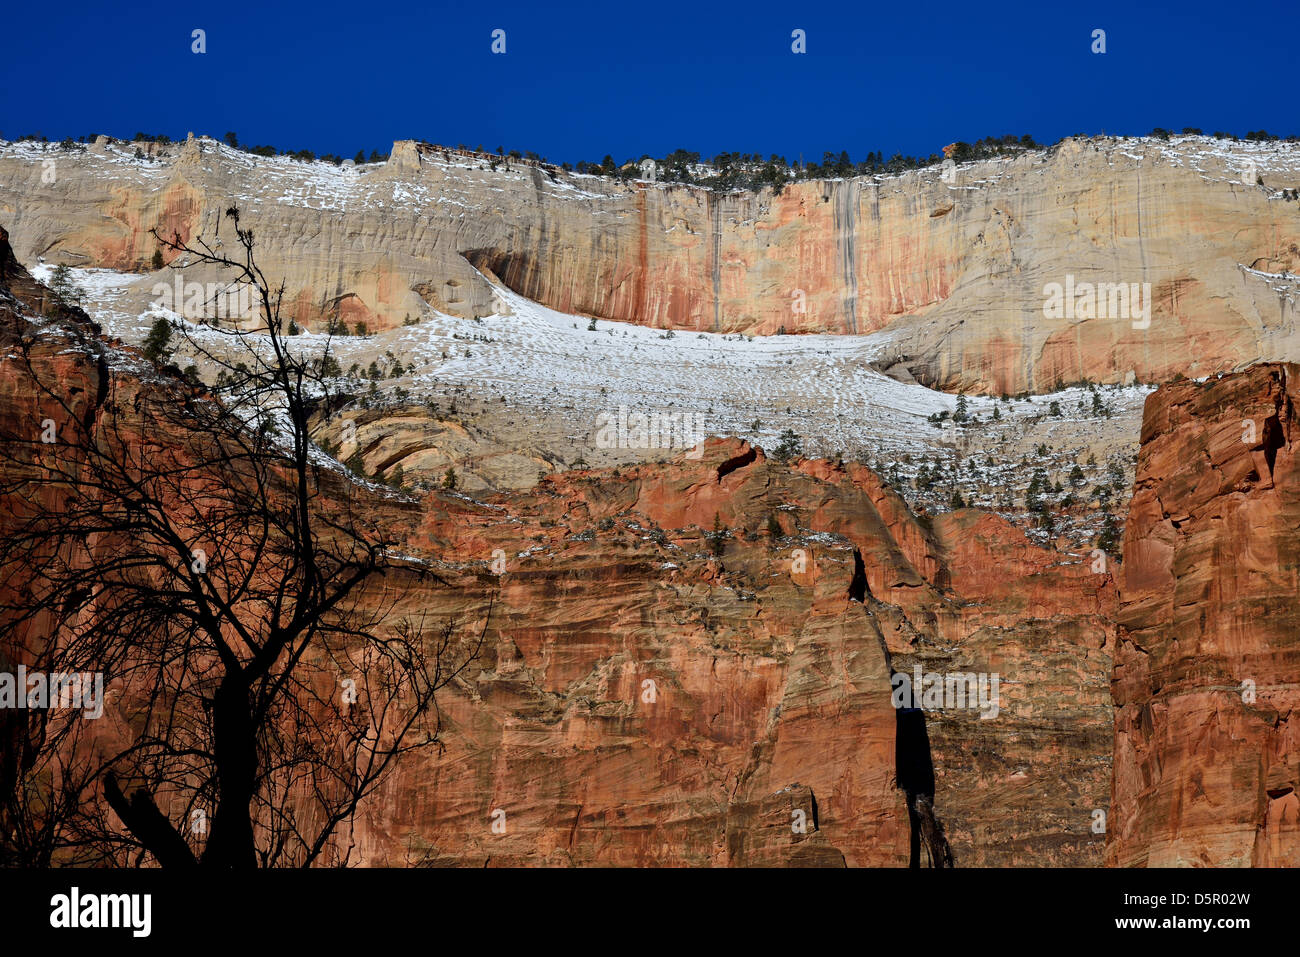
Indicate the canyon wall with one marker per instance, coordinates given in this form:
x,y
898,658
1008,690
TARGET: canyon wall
x,y
684,661
653,691
1207,663
952,265
771,657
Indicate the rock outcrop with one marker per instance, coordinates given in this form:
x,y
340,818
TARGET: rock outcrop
x,y
1207,663
771,656
694,663
955,267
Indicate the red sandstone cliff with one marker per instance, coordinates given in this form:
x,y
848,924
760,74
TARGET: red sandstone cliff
x,y
771,672
770,658
771,654
1207,666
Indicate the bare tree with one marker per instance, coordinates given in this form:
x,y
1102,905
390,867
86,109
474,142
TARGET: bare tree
x,y
235,588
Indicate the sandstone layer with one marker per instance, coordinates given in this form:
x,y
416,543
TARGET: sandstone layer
x,y
1207,664
954,266
684,660
772,662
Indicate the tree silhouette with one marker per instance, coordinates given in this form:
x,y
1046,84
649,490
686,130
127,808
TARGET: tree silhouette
x,y
230,583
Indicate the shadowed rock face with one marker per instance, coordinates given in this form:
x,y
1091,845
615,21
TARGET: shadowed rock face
x,y
955,270
1207,665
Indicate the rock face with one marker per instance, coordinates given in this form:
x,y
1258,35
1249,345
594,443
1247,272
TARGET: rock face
x,y
641,703
771,664
695,663
1207,665
955,268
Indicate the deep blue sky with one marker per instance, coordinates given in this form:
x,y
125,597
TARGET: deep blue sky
x,y
582,80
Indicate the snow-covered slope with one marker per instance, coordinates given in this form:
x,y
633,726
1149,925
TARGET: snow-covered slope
x,y
539,379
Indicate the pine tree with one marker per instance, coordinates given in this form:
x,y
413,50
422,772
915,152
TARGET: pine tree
x,y
449,479
788,446
64,289
157,342
1037,485
717,538
1109,536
